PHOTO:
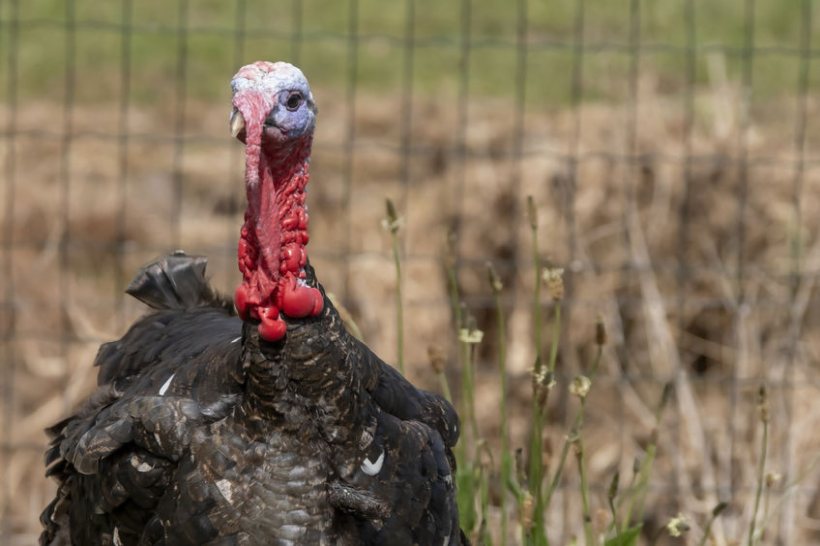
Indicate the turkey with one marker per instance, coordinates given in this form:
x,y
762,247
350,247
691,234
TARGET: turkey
x,y
258,420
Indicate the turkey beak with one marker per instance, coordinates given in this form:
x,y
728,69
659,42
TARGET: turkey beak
x,y
237,123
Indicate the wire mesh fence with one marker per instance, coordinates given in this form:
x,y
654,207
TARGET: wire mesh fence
x,y
669,147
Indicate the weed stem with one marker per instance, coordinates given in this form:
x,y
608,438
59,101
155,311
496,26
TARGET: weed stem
x,y
392,223
763,408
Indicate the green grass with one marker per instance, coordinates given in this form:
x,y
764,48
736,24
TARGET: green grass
x,y
273,27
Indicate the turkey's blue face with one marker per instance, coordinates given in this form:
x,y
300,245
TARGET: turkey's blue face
x,y
276,98
292,116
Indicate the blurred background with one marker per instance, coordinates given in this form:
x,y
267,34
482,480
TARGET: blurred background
x,y
671,149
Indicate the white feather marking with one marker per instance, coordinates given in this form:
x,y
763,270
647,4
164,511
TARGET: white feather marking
x,y
236,340
226,488
144,467
164,388
371,469
116,537
446,540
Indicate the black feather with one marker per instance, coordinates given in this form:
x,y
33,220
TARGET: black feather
x,y
176,281
202,433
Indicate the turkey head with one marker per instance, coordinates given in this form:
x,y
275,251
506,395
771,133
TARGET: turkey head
x,y
274,115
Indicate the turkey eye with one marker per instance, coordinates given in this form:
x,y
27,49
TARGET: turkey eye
x,y
294,101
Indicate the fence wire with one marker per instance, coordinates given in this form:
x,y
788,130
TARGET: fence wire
x,y
420,86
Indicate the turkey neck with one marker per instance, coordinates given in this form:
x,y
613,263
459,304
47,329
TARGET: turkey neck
x,y
303,383
275,220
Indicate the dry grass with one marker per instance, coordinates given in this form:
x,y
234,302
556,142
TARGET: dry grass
x,y
621,251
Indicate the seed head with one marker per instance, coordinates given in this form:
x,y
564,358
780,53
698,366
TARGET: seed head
x,y
519,465
392,222
544,377
543,381
580,386
772,479
495,280
600,331
613,487
470,335
677,526
763,404
451,250
554,279
532,213
719,508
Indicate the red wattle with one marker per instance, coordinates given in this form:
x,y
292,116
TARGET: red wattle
x,y
271,251
271,325
318,303
240,300
300,301
293,257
